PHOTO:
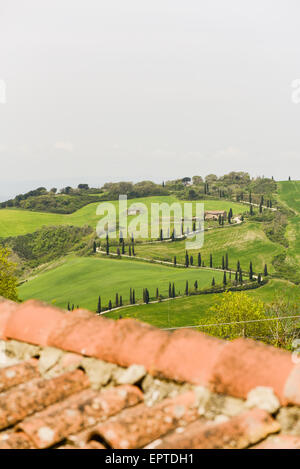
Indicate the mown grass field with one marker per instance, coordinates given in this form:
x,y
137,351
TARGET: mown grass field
x,y
81,280
289,195
14,222
246,242
193,310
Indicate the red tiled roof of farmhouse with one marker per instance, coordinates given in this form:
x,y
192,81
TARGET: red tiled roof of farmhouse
x,y
76,380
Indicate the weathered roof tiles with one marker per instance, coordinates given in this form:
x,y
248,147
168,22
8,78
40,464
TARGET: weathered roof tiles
x,y
65,390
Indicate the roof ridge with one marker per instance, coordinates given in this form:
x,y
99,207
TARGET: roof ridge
x,y
232,368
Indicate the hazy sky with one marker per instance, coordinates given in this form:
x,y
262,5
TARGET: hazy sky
x,y
132,89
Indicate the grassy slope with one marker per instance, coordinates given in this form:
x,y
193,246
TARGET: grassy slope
x,y
289,194
81,280
246,242
194,309
15,222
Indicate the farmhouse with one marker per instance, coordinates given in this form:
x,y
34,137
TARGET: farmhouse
x,y
133,211
215,214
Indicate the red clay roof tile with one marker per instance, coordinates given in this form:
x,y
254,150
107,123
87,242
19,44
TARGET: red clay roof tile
x,y
76,413
189,356
135,342
245,364
292,386
86,336
123,342
15,440
6,307
136,427
33,322
237,433
33,396
279,442
16,374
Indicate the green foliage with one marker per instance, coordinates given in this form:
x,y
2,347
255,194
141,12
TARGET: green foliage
x,y
228,313
8,281
49,243
60,203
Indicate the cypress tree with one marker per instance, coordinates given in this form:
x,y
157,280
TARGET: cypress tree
x,y
250,271
118,252
196,285
240,277
186,259
187,288
266,270
191,260
199,259
99,305
236,277
157,293
213,283
107,245
226,261
223,263
210,261
129,250
94,247
194,226
173,290
123,246
133,297
133,253
224,279
68,307
170,290
109,305
259,279
175,261
121,301
117,300
161,234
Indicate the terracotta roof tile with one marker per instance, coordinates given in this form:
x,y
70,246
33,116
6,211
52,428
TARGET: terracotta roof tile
x,y
33,322
245,364
279,442
17,374
123,342
136,427
77,413
189,356
6,307
237,433
86,336
49,401
15,440
35,395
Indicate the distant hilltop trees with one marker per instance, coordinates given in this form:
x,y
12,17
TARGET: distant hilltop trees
x,y
237,186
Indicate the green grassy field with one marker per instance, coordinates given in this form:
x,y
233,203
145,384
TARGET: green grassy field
x,y
246,242
194,310
82,280
289,194
14,222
